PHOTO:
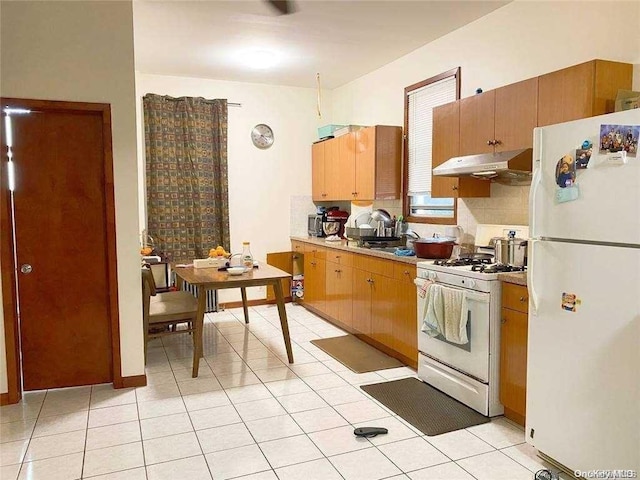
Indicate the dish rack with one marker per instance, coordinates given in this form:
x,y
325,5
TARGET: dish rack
x,y
369,241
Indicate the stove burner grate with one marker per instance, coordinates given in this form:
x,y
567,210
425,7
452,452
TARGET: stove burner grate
x,y
497,268
463,262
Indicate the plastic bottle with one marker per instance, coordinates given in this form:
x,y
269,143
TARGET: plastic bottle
x,y
247,258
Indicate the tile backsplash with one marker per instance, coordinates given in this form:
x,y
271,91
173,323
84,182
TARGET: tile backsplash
x,y
507,205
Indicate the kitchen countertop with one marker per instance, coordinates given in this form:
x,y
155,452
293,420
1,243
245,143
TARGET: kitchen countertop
x,y
519,278
372,252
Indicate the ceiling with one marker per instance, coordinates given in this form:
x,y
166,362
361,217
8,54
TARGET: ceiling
x,y
340,39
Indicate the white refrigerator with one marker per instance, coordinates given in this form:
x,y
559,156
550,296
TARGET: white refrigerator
x,y
583,365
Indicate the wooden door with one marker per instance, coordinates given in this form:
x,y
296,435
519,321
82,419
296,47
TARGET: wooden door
x,y
383,309
387,162
361,319
318,192
516,115
477,119
566,95
513,364
63,207
365,171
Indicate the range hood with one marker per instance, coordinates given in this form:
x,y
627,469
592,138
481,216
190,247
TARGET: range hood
x,y
510,168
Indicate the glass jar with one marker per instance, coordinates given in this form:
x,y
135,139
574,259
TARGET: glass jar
x,y
247,258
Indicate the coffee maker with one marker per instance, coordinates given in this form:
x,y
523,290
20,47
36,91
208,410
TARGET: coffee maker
x,y
335,221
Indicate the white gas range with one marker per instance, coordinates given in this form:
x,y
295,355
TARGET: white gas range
x,y
468,372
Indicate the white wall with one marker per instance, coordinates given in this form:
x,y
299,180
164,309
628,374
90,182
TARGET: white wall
x,y
521,40
83,51
261,182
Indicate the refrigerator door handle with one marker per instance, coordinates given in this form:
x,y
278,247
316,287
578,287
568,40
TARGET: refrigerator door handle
x,y
535,181
531,277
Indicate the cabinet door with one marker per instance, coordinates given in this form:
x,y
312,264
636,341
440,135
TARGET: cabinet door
x,y
361,301
566,95
332,170
331,290
388,162
477,119
516,115
338,293
318,192
405,321
283,261
383,309
513,364
314,282
342,176
365,171
446,145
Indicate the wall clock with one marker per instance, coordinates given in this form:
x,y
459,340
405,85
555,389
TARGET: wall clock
x,y
262,136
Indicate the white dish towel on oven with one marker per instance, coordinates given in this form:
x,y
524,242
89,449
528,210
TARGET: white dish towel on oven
x,y
445,313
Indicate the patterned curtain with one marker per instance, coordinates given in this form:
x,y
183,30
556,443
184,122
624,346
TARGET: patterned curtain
x,y
186,167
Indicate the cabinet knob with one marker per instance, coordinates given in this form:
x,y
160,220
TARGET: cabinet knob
x,y
455,187
324,194
497,142
522,299
369,280
337,256
489,142
295,257
337,271
406,272
313,264
504,320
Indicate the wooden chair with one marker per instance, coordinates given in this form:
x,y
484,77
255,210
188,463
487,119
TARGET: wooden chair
x,y
166,310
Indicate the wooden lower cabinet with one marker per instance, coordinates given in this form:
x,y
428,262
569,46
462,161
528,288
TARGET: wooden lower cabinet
x,y
338,292
513,352
314,282
361,298
405,331
384,308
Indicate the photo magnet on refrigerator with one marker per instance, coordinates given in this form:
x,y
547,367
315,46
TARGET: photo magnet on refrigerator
x,y
570,301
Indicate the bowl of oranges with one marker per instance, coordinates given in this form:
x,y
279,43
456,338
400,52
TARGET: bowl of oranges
x,y
219,252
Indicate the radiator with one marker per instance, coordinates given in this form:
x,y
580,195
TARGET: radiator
x,y
212,296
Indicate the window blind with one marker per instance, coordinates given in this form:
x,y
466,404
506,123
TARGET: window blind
x,y
420,125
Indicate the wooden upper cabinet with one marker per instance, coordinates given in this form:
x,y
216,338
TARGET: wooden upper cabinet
x,y
477,118
346,166
446,145
378,163
318,192
332,169
581,91
516,115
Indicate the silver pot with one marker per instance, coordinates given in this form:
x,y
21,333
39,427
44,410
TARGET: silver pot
x,y
510,251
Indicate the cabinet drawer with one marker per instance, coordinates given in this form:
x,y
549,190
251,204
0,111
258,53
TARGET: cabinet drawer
x,y
374,265
515,297
297,246
315,251
340,257
404,272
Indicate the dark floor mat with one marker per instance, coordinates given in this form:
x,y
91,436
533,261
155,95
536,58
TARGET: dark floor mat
x,y
426,408
356,354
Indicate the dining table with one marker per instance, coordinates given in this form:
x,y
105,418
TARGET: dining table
x,y
211,278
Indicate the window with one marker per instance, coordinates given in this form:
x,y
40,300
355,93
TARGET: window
x,y
420,99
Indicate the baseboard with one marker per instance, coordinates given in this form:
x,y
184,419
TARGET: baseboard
x,y
133,381
4,398
251,303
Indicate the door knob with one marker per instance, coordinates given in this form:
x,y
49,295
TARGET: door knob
x,y
26,268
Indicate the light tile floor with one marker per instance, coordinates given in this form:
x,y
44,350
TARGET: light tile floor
x,y
248,415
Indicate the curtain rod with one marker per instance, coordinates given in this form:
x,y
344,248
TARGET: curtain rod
x,y
231,104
